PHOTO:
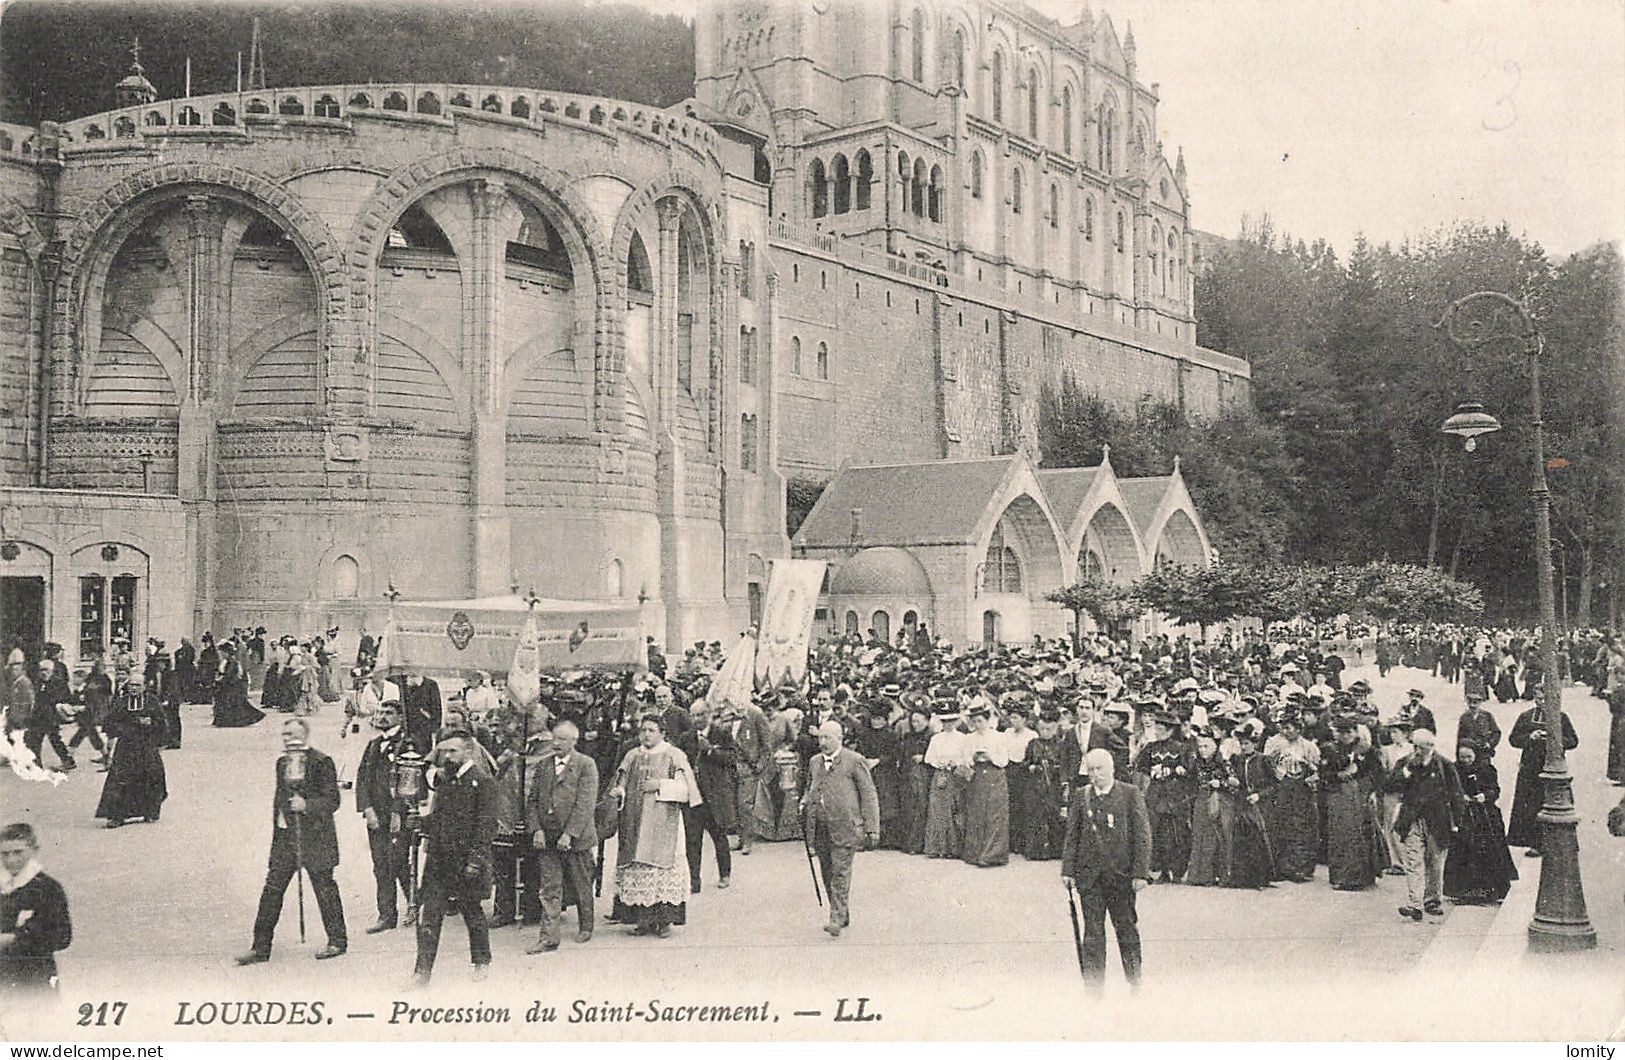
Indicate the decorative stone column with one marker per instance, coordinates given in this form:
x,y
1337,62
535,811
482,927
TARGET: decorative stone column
x,y
492,557
670,474
204,342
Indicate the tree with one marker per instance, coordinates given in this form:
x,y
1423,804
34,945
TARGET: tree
x,y
1406,592
1109,605
1201,596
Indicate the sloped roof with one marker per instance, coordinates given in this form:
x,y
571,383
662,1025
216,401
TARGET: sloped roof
x,y
938,502
1143,495
1066,487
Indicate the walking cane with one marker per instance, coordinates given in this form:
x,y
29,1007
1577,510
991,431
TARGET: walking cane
x,y
294,773
812,865
1077,932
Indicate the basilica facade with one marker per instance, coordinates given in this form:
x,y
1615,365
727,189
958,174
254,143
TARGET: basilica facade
x,y
272,354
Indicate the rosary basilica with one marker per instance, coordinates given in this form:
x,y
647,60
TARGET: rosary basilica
x,y
272,354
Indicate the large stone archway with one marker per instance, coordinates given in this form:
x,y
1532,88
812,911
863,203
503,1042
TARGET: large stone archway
x,y
89,249
543,187
1109,538
1180,542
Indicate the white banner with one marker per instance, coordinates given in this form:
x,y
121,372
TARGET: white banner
x,y
525,672
787,617
732,685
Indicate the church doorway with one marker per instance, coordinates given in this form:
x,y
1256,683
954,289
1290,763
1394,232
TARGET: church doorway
x,y
990,627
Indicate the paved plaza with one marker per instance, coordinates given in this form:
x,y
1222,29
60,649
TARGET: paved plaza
x,y
940,949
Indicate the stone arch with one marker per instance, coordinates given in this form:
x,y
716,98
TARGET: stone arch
x,y
109,219
20,224
546,188
1179,539
159,390
545,394
710,217
241,359
1027,523
325,569
433,351
1108,530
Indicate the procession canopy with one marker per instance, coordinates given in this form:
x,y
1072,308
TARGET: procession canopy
x,y
452,636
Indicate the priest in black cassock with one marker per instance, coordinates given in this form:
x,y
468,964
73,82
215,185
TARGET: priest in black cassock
x,y
34,921
136,785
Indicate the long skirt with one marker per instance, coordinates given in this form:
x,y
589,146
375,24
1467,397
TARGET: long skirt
x,y
1252,863
136,785
1523,827
1294,829
888,796
1212,828
987,817
1616,736
1350,836
1044,831
944,824
1479,867
234,711
652,895
1171,839
916,800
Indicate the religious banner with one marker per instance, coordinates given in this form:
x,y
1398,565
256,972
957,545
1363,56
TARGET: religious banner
x,y
733,683
524,674
787,617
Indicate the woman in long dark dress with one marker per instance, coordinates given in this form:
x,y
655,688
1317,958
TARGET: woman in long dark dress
x,y
232,710
880,746
1479,868
208,667
916,786
1346,769
1252,861
1212,816
136,785
1529,736
1043,831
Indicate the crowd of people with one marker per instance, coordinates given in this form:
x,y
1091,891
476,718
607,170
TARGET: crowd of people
x,y
1254,762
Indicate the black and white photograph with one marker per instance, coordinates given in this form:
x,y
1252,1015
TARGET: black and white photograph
x,y
822,521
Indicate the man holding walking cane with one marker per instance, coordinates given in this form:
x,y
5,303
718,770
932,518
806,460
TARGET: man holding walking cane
x,y
1105,862
841,813
302,840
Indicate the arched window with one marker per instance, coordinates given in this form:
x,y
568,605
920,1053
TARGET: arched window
x,y
360,100
1002,571
346,578
795,355
491,104
326,107
959,63
124,127
259,106
976,175
998,86
395,101
1154,251
917,45
1066,121
880,622
822,365
224,114
428,103
747,355
935,200
921,183
638,273
1172,276
1015,190
95,132
1089,217
519,108
865,178
1032,103
291,106
1054,205
904,175
1120,242
851,623
818,187
154,118
841,177
189,116
747,443
615,580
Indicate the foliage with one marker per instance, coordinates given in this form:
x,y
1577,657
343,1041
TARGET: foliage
x,y
800,494
1201,596
1102,601
62,59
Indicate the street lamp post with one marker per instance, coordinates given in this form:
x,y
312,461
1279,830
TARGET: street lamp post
x,y
1560,922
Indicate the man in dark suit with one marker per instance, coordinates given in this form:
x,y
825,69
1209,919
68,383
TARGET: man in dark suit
x,y
388,838
562,796
710,751
459,824
420,697
302,837
1107,859
841,813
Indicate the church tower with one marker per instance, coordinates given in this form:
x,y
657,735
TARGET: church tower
x,y
135,90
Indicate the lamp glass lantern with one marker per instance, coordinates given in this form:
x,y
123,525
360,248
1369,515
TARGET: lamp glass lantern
x,y
1469,421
